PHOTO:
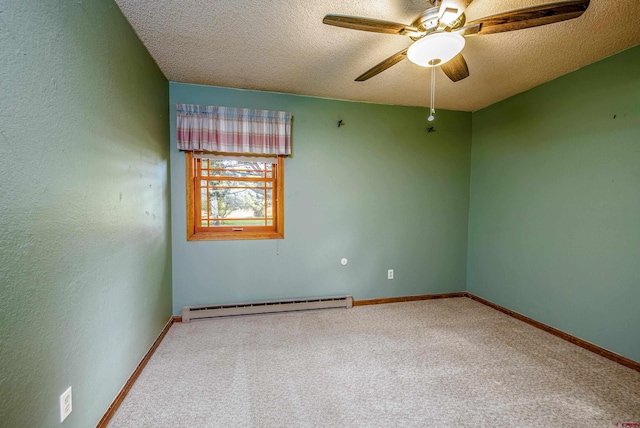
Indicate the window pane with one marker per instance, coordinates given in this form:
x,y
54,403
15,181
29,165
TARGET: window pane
x,y
228,168
234,204
269,204
227,183
237,173
240,222
203,204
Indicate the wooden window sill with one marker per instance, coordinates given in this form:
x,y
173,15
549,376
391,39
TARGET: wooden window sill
x,y
232,236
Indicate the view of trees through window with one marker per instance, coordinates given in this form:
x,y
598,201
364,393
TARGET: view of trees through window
x,y
235,193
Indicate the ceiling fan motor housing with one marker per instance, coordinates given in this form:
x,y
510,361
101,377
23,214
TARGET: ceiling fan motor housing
x,y
428,22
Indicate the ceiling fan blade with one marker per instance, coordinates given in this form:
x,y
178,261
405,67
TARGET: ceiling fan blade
x,y
532,16
368,24
392,60
450,10
456,69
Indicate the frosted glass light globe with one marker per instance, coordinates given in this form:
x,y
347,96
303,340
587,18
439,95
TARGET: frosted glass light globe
x,y
435,49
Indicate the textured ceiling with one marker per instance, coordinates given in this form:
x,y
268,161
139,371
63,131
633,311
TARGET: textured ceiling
x,y
283,46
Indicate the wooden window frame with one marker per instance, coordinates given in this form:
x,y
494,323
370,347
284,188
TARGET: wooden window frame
x,y
248,233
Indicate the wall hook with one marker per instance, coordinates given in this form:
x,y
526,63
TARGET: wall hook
x,y
340,123
431,129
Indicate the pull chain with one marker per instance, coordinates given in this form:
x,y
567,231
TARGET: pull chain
x,y
432,106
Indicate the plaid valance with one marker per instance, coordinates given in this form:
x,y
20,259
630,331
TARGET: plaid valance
x,y
233,130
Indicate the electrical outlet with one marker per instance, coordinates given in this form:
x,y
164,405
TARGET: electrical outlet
x,y
65,404
390,274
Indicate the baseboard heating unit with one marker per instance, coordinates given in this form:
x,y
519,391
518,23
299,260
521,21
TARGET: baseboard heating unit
x,y
212,311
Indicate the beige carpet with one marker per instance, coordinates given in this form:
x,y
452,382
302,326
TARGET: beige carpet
x,y
439,363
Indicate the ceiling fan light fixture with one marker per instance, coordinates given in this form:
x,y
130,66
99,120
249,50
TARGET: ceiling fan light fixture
x,y
435,49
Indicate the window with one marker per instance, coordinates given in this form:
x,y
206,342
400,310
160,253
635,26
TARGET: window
x,y
234,198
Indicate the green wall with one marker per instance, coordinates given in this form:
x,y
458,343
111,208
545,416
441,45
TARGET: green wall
x,y
554,229
380,191
85,262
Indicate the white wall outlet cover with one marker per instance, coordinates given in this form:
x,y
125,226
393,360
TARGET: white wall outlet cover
x,y
65,404
390,274
344,262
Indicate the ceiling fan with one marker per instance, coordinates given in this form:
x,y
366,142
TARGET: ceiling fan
x,y
439,32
